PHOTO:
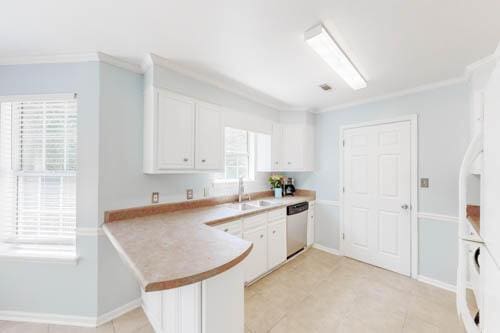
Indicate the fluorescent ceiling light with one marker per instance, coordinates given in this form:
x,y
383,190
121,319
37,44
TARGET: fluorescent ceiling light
x,y
324,45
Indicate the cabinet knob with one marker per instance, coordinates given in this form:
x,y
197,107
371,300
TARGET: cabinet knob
x,y
261,236
276,162
186,159
274,231
203,160
289,162
226,230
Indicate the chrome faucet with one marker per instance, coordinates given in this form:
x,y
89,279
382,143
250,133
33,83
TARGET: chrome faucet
x,y
241,191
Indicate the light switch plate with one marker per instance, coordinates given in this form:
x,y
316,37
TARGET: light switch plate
x,y
155,197
189,194
424,182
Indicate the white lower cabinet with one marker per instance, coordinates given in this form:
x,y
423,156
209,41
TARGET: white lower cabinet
x,y
256,262
490,293
215,305
276,243
310,223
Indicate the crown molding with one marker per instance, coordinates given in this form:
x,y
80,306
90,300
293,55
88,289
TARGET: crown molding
x,y
228,85
71,58
411,91
49,59
117,62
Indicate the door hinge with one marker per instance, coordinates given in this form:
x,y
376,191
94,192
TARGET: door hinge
x,y
343,236
343,143
343,189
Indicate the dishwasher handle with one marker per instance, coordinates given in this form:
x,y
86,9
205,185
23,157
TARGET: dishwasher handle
x,y
297,208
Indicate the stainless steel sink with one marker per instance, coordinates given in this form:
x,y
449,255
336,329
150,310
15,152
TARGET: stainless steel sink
x,y
243,206
263,203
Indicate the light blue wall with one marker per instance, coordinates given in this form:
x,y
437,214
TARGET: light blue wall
x,y
121,180
110,109
438,254
53,288
443,134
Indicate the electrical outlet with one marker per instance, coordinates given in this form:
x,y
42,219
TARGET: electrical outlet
x,y
155,197
189,194
424,182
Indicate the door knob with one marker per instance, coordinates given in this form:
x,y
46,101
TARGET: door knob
x,y
405,206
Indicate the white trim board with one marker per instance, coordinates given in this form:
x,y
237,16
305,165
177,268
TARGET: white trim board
x,y
58,319
327,249
413,119
437,283
437,217
90,232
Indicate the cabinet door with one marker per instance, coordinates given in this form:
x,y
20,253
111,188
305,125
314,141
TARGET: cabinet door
x,y
209,137
256,262
292,149
310,225
489,282
175,131
276,243
276,148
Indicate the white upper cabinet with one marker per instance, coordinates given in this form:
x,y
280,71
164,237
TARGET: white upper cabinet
x,y
276,147
209,138
181,134
289,148
175,131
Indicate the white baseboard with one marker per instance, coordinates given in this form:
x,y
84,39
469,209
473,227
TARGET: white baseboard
x,y
48,318
57,319
108,316
327,249
437,283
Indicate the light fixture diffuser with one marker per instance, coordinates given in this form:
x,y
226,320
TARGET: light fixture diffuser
x,y
325,46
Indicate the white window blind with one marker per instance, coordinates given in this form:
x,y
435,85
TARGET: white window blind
x,y
38,163
239,154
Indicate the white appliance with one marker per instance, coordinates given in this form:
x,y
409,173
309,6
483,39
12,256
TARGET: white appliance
x,y
478,271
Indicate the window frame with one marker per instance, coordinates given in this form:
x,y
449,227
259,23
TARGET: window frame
x,y
54,250
251,158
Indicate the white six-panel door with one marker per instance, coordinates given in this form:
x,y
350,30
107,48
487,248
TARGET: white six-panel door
x,y
377,193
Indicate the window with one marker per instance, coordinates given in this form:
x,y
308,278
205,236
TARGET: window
x,y
239,154
38,177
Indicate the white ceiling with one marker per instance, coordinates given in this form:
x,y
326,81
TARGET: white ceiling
x,y
396,44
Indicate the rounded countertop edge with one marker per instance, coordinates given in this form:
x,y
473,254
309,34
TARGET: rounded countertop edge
x,y
184,281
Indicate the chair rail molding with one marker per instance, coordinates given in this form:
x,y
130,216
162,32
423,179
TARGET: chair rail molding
x,y
437,217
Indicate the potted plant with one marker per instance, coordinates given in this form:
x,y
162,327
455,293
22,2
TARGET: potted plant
x,y
275,181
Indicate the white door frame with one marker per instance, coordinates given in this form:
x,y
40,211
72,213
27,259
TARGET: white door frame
x,y
413,119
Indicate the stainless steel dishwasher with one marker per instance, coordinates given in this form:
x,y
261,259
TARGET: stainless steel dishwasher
x,y
296,228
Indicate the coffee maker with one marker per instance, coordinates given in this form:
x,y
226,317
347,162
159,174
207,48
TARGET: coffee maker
x,y
289,188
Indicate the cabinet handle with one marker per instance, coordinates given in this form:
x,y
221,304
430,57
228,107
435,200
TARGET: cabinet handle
x,y
261,236
226,230
186,159
203,160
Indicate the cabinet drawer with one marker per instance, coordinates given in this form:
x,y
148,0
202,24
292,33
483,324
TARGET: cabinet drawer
x,y
233,227
276,214
255,221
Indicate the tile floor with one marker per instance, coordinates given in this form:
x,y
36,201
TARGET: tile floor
x,y
317,292
320,292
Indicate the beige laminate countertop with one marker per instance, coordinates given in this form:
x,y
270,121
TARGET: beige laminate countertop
x,y
175,249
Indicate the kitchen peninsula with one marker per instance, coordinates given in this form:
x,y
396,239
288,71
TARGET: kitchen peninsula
x,y
187,266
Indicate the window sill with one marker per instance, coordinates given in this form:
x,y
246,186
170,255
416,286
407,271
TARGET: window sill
x,y
232,181
23,256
